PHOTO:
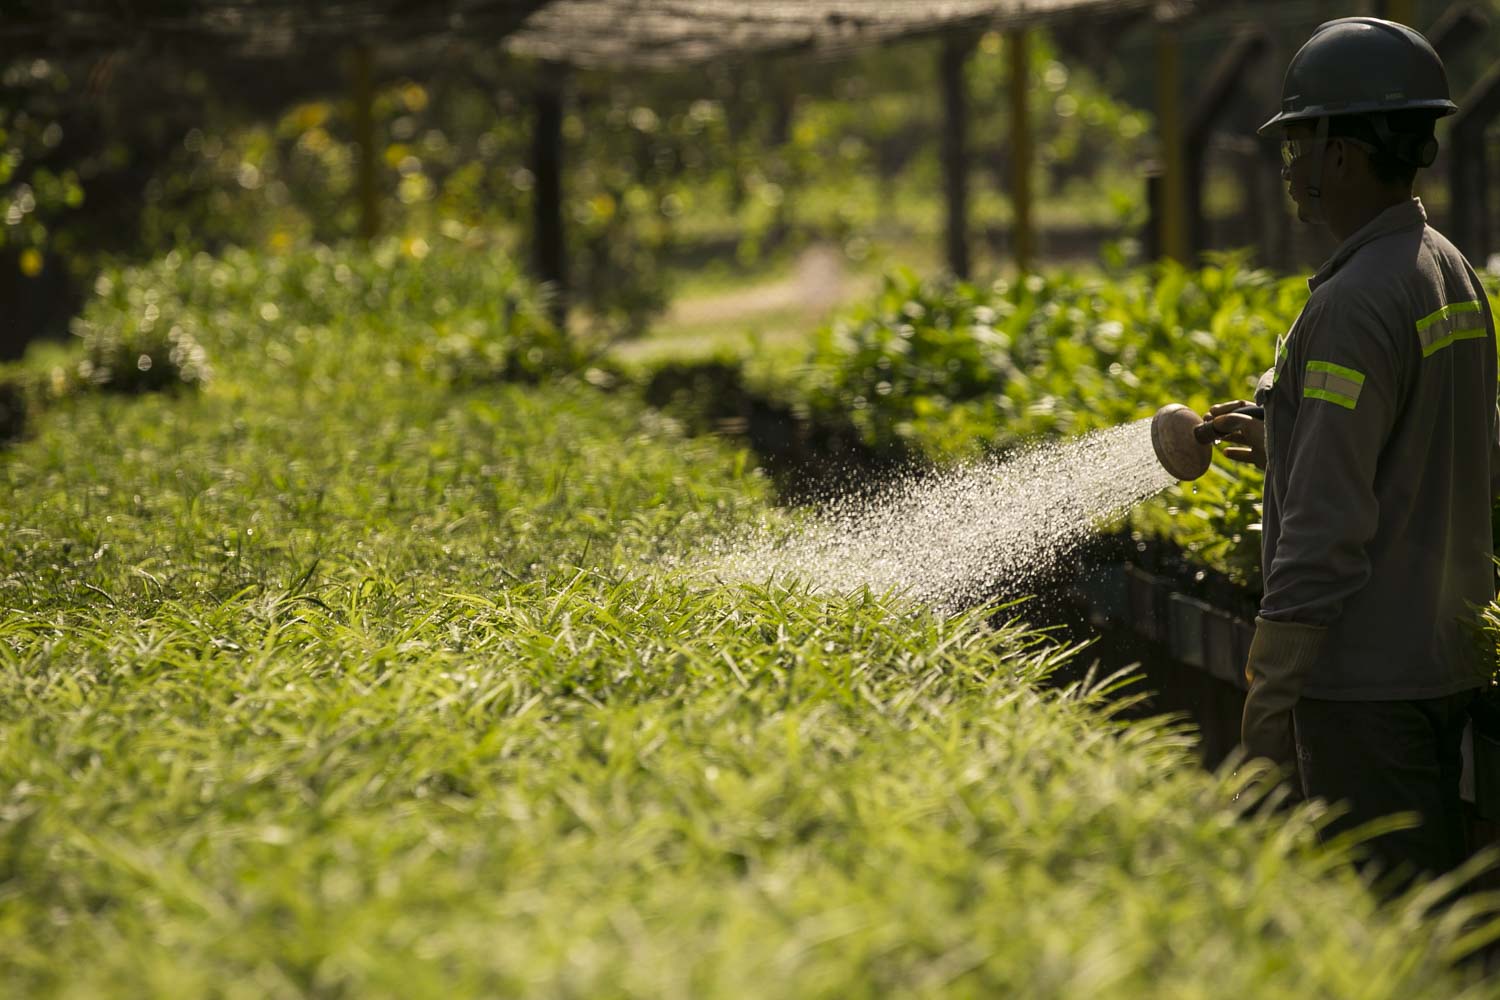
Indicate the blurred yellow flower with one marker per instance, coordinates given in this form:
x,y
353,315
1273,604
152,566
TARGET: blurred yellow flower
x,y
310,116
603,206
315,140
414,96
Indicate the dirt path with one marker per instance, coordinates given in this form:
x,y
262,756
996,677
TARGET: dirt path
x,y
778,312
817,282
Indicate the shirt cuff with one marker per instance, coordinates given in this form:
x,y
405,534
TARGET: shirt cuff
x,y
1282,654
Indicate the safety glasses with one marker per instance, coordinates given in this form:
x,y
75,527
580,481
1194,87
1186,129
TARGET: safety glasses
x,y
1293,150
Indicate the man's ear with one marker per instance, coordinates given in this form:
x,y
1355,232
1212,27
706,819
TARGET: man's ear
x,y
1339,157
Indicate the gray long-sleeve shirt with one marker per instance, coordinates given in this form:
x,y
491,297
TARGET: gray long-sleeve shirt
x,y
1381,431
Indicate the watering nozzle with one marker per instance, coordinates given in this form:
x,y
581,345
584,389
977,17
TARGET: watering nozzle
x,y
1184,440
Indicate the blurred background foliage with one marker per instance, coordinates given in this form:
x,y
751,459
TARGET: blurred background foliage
x,y
726,166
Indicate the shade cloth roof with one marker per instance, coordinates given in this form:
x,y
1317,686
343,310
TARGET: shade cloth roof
x,y
618,34
611,34
259,28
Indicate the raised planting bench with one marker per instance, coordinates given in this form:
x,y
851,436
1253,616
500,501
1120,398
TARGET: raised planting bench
x,y
1178,628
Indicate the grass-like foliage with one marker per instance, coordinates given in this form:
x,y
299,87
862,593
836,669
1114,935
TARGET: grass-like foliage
x,y
458,311
332,680
955,367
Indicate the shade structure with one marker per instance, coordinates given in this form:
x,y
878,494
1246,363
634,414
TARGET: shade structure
x,y
249,28
667,34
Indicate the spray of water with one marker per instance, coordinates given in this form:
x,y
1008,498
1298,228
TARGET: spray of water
x,y
955,538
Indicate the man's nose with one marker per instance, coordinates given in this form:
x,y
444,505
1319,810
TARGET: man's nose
x,y
1286,172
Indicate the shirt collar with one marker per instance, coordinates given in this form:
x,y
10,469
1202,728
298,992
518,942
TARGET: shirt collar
x,y
1403,215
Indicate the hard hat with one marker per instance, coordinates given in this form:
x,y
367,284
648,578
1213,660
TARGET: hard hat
x,y
1362,66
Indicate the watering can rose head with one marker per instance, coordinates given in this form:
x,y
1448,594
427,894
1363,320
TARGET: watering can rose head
x,y
1183,440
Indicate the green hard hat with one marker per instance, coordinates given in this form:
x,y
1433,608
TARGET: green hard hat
x,y
1362,66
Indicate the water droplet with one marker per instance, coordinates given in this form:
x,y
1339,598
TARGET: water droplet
x,y
953,537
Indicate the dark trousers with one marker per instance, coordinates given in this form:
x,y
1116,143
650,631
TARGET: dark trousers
x,y
1384,757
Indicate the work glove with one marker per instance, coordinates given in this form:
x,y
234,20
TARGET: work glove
x,y
1281,656
1245,435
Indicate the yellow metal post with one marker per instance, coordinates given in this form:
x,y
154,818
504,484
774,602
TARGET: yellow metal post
x,y
1401,11
1173,233
1020,147
363,86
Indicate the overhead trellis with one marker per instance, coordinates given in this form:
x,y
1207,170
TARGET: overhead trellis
x,y
585,33
625,35
665,34
251,28
269,36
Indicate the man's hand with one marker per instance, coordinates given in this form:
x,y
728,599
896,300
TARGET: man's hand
x,y
1245,434
1282,654
1266,725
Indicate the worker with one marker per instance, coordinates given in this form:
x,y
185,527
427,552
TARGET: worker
x,y
1379,444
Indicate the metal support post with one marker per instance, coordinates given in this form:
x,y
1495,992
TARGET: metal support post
x,y
1172,235
363,87
1214,98
1020,148
952,60
550,258
1468,174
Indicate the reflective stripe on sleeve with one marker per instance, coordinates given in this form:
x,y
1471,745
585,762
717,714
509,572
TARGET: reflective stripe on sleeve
x,y
1333,383
1458,321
